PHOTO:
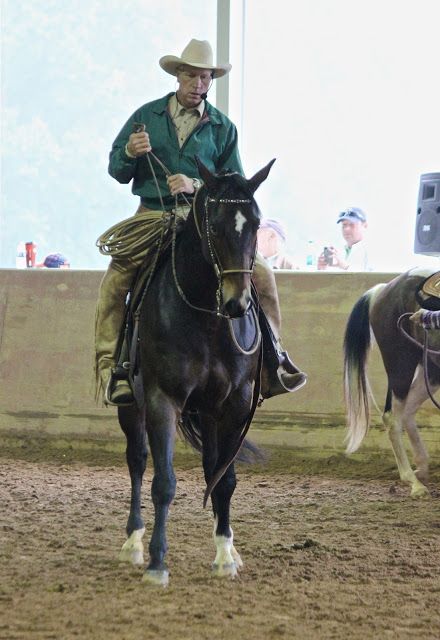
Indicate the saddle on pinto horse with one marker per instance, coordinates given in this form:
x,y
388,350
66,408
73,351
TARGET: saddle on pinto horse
x,y
428,294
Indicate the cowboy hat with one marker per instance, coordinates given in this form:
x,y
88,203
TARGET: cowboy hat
x,y
198,53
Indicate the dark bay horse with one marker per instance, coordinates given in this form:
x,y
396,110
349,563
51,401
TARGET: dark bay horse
x,y
379,310
193,373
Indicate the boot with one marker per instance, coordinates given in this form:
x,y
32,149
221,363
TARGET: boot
x,y
284,378
112,378
279,374
118,391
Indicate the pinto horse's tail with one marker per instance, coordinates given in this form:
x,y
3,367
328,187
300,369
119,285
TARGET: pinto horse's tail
x,y
357,343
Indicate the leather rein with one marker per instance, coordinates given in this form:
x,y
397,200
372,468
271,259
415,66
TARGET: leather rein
x,y
220,272
426,351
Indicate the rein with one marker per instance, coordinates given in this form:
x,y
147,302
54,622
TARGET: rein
x,y
219,271
426,350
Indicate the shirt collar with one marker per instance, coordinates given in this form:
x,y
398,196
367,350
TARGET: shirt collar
x,y
175,107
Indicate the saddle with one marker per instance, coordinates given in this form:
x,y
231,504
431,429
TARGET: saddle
x,y
428,293
248,333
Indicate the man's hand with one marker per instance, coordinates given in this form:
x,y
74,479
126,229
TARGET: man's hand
x,y
338,261
138,144
417,317
179,183
321,264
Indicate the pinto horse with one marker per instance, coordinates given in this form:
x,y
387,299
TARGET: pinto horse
x,y
194,374
379,310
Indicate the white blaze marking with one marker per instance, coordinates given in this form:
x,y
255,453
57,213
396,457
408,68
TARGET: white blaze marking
x,y
240,221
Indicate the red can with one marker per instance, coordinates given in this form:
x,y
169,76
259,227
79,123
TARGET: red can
x,y
31,254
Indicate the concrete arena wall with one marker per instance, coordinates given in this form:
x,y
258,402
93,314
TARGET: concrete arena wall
x,y
46,356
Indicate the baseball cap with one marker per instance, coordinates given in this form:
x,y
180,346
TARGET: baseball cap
x,y
271,223
354,214
55,261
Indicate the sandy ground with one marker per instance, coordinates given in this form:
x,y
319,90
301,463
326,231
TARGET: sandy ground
x,y
325,556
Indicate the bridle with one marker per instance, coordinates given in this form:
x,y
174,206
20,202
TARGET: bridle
x,y
218,269
220,272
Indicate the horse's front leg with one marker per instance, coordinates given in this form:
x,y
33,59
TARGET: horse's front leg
x,y
416,396
227,560
161,425
132,423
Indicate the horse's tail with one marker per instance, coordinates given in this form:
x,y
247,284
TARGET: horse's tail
x,y
190,428
357,343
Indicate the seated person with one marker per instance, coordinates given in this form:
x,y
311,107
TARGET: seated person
x,y
271,244
181,124
354,256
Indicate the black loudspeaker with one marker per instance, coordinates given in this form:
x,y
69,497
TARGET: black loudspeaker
x,y
427,236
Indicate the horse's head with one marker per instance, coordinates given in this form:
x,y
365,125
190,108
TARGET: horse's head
x,y
228,219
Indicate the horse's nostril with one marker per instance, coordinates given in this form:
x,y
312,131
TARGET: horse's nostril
x,y
234,308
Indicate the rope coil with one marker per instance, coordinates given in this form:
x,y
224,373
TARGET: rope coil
x,y
132,238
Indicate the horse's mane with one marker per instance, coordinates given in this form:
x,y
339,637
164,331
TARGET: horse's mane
x,y
230,182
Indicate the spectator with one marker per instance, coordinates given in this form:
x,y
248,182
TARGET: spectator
x,y
55,261
353,257
271,244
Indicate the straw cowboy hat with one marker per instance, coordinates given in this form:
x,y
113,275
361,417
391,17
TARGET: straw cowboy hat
x,y
198,53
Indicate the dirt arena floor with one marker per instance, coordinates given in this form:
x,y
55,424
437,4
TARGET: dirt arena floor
x,y
332,549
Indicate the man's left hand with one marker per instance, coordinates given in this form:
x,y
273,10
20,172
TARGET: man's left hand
x,y
179,183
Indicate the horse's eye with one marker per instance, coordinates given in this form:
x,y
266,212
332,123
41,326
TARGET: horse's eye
x,y
213,229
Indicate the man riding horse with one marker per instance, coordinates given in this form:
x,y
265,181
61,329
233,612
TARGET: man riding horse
x,y
179,127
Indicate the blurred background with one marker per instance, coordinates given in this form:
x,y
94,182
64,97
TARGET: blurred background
x,y
343,93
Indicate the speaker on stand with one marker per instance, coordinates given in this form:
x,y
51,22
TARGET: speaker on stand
x,y
427,234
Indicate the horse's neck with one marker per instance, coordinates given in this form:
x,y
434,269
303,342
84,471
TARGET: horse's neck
x,y
195,275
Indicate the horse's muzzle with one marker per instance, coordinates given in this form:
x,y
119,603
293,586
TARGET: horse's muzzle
x,y
235,308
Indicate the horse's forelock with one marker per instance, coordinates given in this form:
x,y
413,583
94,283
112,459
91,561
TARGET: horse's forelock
x,y
232,186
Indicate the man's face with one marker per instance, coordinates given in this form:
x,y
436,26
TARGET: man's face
x,y
192,83
268,242
353,232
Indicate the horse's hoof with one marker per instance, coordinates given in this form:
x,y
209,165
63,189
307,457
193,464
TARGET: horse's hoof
x,y
422,475
133,556
157,578
133,549
420,491
237,558
225,570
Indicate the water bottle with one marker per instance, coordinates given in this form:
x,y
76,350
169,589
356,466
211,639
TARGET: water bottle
x,y
20,257
31,254
311,255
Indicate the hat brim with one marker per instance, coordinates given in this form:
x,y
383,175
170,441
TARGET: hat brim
x,y
170,64
351,219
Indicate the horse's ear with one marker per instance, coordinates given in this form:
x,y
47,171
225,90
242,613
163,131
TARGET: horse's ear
x,y
208,178
259,177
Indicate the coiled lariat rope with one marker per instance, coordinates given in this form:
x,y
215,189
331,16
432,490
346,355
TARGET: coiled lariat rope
x,y
133,238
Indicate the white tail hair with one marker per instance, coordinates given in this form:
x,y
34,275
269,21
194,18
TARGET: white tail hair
x,y
357,343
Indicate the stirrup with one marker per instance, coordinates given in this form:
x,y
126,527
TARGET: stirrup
x,y
284,382
118,392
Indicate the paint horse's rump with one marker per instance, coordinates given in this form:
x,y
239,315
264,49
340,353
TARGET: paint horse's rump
x,y
193,373
379,309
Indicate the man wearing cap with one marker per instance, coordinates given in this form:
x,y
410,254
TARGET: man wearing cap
x,y
55,261
354,256
177,127
271,244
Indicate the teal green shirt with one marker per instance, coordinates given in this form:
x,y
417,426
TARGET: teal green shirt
x,y
214,141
